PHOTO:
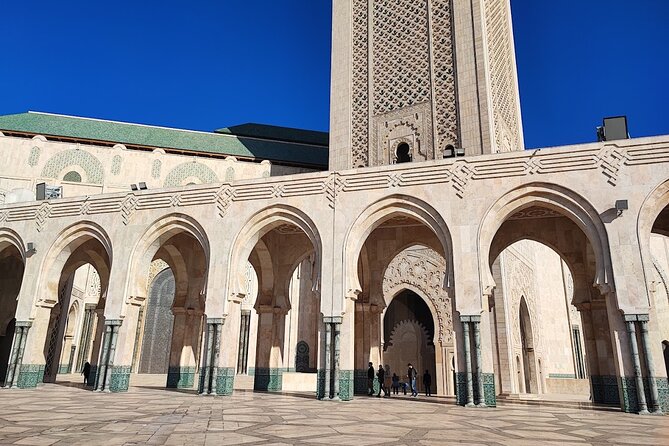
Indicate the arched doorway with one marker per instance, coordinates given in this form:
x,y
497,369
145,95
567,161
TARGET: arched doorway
x,y
408,337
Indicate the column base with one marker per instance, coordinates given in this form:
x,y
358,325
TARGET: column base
x,y
489,393
225,381
268,379
180,377
119,381
630,402
30,375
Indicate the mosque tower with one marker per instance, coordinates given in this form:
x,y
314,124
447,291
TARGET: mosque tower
x,y
416,80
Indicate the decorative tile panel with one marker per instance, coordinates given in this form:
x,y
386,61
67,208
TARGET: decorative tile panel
x,y
225,380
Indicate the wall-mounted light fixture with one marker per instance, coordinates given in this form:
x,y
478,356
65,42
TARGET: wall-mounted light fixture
x,y
621,205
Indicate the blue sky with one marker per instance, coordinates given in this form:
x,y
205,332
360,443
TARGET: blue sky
x,y
207,64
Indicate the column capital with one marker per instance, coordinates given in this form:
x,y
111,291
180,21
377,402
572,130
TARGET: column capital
x,y
470,318
24,324
636,317
115,322
215,320
333,319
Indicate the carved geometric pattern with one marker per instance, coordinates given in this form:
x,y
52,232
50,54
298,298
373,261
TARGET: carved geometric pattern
x,y
444,74
535,212
424,269
401,54
116,165
502,78
179,174
610,159
75,157
155,168
331,187
460,178
33,159
224,200
42,215
229,174
156,266
521,277
128,208
360,87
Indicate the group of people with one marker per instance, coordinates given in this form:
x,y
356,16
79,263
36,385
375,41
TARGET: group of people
x,y
385,382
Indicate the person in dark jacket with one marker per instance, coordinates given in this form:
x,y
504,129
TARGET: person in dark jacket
x,y
370,380
86,372
381,375
427,383
411,377
396,384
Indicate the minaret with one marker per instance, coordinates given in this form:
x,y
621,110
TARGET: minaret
x,y
416,80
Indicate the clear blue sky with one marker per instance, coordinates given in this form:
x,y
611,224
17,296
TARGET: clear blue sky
x,y
208,64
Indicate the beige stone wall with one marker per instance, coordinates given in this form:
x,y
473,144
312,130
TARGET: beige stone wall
x,y
27,162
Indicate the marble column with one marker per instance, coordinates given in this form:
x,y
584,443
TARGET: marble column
x,y
205,360
630,320
476,323
468,360
16,356
329,391
654,394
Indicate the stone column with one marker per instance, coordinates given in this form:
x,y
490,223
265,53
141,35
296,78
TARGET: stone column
x,y
630,320
468,361
476,323
654,394
16,357
205,360
329,391
101,377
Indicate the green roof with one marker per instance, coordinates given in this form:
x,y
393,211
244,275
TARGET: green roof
x,y
277,133
262,148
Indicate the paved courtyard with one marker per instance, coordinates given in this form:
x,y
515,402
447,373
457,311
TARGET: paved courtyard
x,y
61,415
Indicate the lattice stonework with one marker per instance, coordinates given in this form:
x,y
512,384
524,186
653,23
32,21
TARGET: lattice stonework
x,y
182,172
33,159
401,54
360,100
116,165
394,43
75,157
155,168
444,74
502,80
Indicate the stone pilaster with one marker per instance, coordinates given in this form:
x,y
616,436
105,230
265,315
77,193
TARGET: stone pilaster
x,y
468,360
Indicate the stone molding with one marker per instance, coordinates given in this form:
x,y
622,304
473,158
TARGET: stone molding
x,y
608,158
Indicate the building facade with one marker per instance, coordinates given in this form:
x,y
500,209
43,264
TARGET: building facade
x,y
433,238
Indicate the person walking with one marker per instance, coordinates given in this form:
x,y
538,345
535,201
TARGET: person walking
x,y
411,377
388,382
396,384
370,380
381,375
86,372
427,383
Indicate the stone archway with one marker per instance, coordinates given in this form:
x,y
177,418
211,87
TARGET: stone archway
x,y
420,270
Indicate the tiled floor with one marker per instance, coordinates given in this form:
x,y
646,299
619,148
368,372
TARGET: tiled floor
x,y
56,414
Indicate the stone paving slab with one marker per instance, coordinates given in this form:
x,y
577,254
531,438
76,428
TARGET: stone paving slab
x,y
65,415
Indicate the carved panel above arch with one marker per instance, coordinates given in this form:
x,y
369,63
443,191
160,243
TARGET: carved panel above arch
x,y
423,269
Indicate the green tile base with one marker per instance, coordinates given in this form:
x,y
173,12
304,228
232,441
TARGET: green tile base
x,y
605,389
490,395
63,369
630,402
120,378
30,375
346,385
320,384
180,377
225,380
268,379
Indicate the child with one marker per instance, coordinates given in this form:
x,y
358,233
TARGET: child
x,y
396,384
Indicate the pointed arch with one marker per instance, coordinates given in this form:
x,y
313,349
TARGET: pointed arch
x,y
380,212
556,198
255,228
